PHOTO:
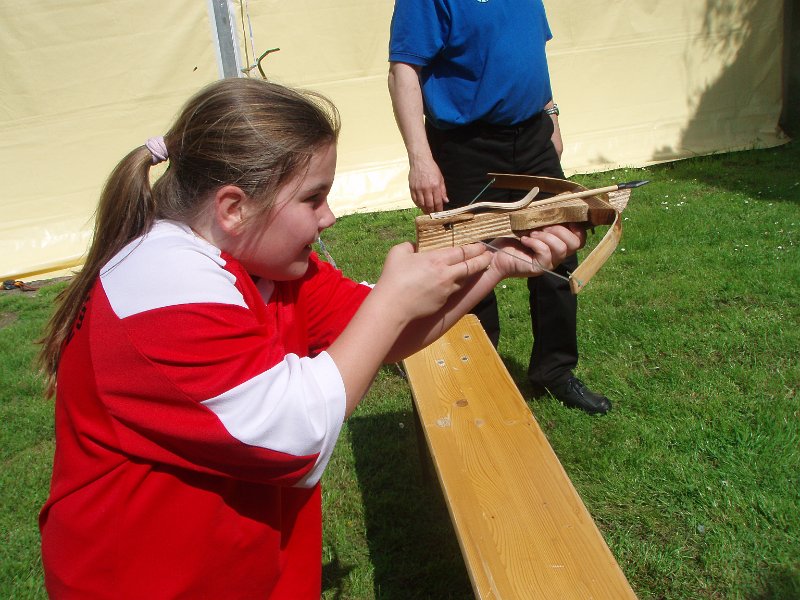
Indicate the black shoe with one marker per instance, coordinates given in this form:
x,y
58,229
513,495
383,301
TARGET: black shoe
x,y
574,394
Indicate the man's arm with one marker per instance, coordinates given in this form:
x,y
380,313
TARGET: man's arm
x,y
425,180
556,137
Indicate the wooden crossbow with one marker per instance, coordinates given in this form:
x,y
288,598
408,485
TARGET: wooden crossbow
x,y
567,202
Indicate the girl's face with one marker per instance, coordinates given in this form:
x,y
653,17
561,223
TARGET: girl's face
x,y
279,249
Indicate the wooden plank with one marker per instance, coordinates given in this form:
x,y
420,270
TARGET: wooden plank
x,y
523,530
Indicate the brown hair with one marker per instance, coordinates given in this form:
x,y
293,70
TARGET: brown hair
x,y
246,132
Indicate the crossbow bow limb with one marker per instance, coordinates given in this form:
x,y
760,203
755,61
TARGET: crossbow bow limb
x,y
567,202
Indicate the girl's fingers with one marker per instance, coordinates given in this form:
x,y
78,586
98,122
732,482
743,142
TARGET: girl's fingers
x,y
542,253
579,231
472,250
458,255
541,249
475,259
562,240
477,264
572,234
558,247
549,250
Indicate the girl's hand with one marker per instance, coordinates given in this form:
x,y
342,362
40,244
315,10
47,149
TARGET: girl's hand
x,y
417,284
543,248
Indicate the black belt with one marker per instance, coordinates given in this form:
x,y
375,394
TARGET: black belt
x,y
521,125
482,126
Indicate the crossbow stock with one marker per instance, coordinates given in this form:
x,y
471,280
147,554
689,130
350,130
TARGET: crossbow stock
x,y
566,202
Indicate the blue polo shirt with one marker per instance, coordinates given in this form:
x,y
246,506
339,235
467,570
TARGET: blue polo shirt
x,y
481,59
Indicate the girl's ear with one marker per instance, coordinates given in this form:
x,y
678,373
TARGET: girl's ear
x,y
230,208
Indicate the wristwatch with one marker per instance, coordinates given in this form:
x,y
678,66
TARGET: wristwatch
x,y
553,110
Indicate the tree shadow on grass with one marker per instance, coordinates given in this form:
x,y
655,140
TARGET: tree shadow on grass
x,y
780,583
412,545
732,108
769,174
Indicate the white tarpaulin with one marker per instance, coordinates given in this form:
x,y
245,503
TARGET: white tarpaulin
x,y
84,82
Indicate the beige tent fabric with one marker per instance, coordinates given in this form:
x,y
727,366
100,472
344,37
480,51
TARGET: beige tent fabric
x,y
83,84
637,81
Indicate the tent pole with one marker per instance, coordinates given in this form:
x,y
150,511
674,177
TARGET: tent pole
x,y
225,38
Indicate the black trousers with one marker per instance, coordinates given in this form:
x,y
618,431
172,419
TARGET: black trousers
x,y
465,155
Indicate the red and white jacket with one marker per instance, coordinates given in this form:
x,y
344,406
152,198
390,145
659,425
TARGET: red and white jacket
x,y
196,410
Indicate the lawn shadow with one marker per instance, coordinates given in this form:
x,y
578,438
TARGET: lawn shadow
x,y
780,583
412,545
769,175
334,573
519,373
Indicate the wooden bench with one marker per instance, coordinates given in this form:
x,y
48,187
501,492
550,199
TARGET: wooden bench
x,y
523,530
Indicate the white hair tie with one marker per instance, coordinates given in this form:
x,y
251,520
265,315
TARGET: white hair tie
x,y
158,149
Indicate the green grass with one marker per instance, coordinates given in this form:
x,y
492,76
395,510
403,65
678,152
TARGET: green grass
x,y
692,328
26,443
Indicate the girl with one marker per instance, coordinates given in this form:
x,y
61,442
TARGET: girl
x,y
204,359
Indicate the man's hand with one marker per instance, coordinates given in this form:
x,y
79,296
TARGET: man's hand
x,y
426,184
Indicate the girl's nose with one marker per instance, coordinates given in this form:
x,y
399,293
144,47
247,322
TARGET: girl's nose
x,y
326,218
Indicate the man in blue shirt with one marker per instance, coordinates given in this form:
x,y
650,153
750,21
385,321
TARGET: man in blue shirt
x,y
471,93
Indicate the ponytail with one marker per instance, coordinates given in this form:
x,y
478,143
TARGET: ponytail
x,y
125,211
